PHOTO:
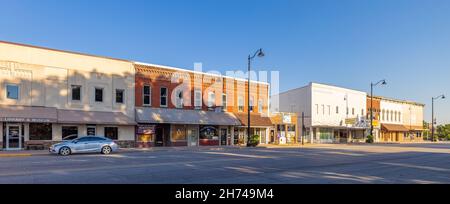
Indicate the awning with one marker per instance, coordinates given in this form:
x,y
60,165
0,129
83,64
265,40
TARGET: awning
x,y
416,128
94,117
394,128
27,114
180,116
256,120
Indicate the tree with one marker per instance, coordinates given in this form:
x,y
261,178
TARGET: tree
x,y
443,132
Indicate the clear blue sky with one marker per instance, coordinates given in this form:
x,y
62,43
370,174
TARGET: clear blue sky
x,y
341,42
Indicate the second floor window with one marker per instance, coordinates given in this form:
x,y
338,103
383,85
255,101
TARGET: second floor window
x,y
198,98
120,95
179,99
147,95
260,105
163,98
211,99
12,91
240,103
224,102
76,93
98,95
251,104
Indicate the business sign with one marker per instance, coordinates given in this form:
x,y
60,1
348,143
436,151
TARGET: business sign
x,y
376,123
146,129
26,120
350,121
287,119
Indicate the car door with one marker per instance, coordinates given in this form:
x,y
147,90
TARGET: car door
x,y
91,144
80,145
96,144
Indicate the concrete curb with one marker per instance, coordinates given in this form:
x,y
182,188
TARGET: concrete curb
x,y
16,155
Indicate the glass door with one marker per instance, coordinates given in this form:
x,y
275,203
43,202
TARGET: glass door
x,y
13,139
223,136
193,136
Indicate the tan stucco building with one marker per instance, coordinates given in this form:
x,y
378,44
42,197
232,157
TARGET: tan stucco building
x,y
49,95
401,121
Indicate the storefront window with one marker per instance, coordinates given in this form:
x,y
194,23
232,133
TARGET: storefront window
x,y
112,133
280,128
69,132
291,128
178,133
209,132
91,130
40,131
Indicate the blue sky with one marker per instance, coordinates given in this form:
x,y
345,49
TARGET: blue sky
x,y
342,42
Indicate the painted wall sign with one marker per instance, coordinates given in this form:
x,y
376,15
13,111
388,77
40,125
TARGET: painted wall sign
x,y
26,120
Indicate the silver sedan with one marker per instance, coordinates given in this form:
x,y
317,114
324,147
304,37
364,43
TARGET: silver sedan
x,y
85,144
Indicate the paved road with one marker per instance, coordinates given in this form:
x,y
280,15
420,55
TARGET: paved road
x,y
393,163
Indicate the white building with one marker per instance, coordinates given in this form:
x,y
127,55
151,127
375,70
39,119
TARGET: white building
x,y
400,120
331,114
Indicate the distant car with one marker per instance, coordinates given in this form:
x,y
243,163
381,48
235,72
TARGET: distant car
x,y
83,145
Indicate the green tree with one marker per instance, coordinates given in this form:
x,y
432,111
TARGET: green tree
x,y
443,132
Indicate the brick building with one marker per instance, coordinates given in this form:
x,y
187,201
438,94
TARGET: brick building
x,y
179,107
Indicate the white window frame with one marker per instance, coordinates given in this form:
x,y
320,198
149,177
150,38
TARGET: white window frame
x,y
241,102
71,92
123,96
103,94
224,102
18,91
260,105
160,97
211,99
197,98
178,99
149,95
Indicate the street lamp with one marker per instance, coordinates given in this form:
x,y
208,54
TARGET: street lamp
x,y
382,82
258,53
432,114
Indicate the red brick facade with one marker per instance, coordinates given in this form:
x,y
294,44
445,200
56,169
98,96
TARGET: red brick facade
x,y
158,77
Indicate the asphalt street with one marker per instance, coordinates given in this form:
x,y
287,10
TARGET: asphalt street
x,y
379,163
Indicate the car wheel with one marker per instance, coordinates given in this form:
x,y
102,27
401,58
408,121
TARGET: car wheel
x,y
64,151
106,150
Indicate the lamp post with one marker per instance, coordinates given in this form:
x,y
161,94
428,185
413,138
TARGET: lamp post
x,y
382,82
432,114
258,53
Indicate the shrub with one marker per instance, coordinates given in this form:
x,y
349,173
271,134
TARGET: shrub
x,y
254,141
369,139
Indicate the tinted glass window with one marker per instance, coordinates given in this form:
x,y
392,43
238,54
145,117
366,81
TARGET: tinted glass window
x,y
76,92
98,95
12,91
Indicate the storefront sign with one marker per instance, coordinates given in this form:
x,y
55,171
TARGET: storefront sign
x,y
146,129
287,119
376,123
209,132
26,120
350,121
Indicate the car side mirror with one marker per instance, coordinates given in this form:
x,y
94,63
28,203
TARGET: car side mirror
x,y
74,141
